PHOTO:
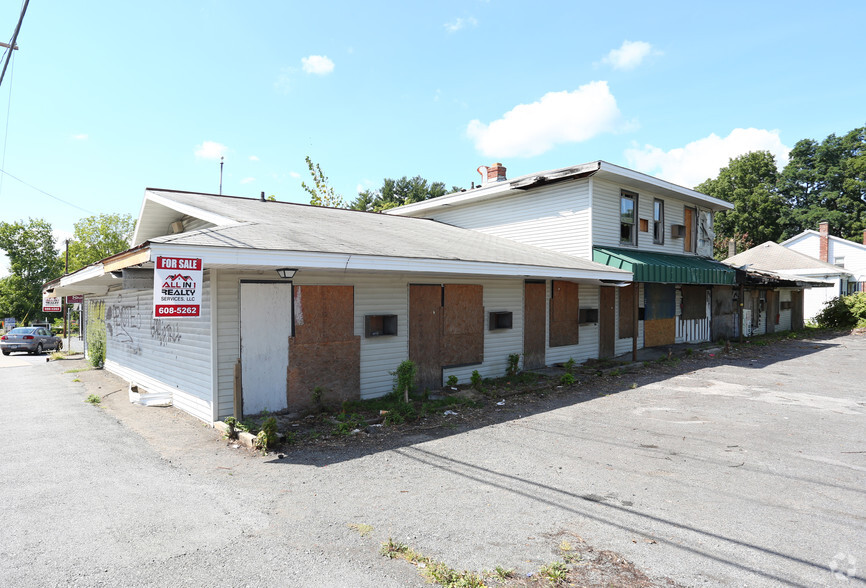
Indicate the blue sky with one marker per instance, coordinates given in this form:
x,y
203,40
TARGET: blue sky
x,y
105,99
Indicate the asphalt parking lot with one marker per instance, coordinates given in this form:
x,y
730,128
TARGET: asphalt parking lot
x,y
745,470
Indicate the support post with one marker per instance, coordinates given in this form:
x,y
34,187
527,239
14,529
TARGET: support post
x,y
636,321
238,392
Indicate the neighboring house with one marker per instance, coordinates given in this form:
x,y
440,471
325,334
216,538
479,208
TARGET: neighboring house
x,y
361,293
823,281
598,211
848,255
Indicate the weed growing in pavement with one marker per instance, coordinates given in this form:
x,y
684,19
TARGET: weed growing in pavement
x,y
93,399
435,571
348,423
513,365
555,572
633,385
363,528
317,397
57,355
452,380
232,424
566,550
689,351
477,381
76,379
567,379
615,373
503,573
404,378
267,436
569,365
77,370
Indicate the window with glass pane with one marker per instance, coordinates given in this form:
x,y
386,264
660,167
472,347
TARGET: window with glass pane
x,y
658,221
627,218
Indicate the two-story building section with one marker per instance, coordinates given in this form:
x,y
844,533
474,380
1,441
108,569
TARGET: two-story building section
x,y
598,211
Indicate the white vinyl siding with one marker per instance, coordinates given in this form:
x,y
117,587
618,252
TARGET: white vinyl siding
x,y
161,355
853,253
556,217
606,218
375,294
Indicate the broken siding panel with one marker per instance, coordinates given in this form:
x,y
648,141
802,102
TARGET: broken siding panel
x,y
161,355
555,217
499,295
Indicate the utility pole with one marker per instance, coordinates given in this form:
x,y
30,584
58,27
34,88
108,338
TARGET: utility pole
x,y
12,42
221,175
63,306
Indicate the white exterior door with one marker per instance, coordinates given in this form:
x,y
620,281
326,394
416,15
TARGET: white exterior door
x,y
266,325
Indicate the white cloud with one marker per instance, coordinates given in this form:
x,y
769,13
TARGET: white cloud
x,y
81,137
460,23
210,150
253,158
559,117
702,159
629,55
319,65
247,180
295,174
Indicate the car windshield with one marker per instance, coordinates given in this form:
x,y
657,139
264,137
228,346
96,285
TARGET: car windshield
x,y
22,331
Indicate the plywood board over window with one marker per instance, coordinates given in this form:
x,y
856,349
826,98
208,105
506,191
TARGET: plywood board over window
x,y
660,323
694,300
564,314
324,351
463,324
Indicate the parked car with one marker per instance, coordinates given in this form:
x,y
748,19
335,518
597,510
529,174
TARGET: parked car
x,y
29,339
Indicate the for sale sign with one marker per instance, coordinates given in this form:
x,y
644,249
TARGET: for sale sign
x,y
51,304
177,284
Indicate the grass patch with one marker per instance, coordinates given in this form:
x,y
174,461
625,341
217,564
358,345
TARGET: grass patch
x,y
363,528
93,399
78,370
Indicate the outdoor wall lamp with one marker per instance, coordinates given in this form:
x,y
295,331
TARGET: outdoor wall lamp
x,y
287,273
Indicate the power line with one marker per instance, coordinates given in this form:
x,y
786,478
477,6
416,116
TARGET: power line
x,y
3,171
12,42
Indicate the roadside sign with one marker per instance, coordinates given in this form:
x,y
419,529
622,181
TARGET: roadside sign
x,y
177,285
9,324
77,299
51,304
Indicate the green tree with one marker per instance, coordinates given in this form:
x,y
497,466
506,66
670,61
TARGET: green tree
x,y
827,181
321,192
749,183
98,237
33,260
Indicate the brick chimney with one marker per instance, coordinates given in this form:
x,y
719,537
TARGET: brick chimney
x,y
823,250
496,173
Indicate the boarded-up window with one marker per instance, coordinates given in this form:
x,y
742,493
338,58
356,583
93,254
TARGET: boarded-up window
x,y
564,314
626,312
324,352
463,324
661,301
694,302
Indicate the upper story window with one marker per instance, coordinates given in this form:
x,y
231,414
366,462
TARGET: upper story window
x,y
839,262
658,222
628,218
690,222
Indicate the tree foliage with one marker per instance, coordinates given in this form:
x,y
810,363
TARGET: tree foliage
x,y
822,181
97,237
826,181
400,192
321,192
749,183
33,260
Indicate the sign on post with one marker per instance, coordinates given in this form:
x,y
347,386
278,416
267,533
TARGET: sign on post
x,y
9,323
51,304
177,284
77,299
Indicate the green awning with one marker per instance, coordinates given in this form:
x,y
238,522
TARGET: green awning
x,y
664,268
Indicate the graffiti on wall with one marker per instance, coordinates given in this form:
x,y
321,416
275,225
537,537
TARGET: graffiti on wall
x,y
120,321
164,331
